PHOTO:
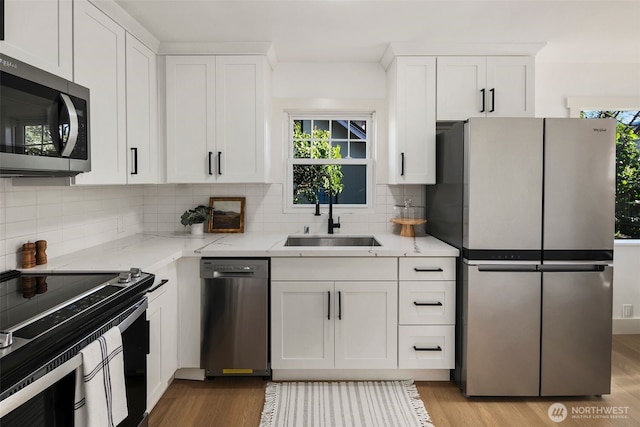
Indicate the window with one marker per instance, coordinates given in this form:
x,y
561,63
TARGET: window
x,y
627,170
330,156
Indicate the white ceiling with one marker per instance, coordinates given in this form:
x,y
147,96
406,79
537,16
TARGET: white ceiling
x,y
361,30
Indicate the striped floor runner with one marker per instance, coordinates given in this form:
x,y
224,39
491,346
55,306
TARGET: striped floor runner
x,y
344,404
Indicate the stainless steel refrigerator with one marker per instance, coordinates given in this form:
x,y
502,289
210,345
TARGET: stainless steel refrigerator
x,y
530,204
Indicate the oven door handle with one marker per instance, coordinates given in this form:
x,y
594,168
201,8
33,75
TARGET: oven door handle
x,y
38,386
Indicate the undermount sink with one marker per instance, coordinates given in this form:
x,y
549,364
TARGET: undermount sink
x,y
332,241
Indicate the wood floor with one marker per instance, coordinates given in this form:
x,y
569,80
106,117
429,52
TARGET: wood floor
x,y
237,402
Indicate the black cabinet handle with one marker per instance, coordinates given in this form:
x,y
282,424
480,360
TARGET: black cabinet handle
x,y
437,348
219,162
339,305
493,100
162,283
427,269
429,304
328,305
134,169
210,156
401,164
483,102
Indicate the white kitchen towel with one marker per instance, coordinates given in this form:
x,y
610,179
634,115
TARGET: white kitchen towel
x,y
101,396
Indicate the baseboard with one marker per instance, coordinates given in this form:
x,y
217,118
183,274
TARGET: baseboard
x,y
360,375
626,326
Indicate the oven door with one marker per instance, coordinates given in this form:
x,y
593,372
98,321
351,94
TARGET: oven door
x,y
49,400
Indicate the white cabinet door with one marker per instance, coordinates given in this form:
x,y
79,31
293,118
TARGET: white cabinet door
x,y
154,364
302,325
240,118
412,120
162,314
510,84
461,87
479,86
40,33
99,64
216,118
191,152
142,113
366,325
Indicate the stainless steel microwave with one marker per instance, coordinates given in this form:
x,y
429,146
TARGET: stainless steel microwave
x,y
44,123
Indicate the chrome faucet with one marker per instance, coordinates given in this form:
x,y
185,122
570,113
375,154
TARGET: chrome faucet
x,y
331,224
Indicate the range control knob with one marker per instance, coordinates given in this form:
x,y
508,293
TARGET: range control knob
x,y
135,272
124,277
6,339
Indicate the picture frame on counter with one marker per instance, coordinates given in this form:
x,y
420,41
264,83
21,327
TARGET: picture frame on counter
x,y
227,215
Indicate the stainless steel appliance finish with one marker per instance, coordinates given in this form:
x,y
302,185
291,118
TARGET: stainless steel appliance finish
x,y
52,317
44,122
530,204
235,317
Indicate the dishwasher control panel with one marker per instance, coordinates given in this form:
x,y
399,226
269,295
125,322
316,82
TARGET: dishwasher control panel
x,y
216,267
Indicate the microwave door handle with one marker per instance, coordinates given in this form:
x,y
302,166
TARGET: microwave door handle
x,y
73,125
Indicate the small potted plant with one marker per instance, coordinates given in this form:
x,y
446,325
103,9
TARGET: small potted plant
x,y
196,218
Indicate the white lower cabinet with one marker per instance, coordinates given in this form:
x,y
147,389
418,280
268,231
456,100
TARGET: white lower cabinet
x,y
362,318
336,321
327,325
162,314
427,301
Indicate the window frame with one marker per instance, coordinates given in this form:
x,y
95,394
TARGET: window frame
x,y
368,161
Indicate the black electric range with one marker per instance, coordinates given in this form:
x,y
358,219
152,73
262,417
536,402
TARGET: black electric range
x,y
43,313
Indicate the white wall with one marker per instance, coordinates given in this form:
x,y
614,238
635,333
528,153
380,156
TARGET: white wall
x,y
557,81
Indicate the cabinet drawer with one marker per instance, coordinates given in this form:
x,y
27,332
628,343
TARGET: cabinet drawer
x,y
302,268
426,347
428,268
427,302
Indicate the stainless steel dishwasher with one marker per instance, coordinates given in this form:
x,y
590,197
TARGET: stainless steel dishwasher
x,y
235,317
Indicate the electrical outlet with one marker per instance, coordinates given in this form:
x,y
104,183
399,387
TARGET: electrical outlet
x,y
627,311
121,224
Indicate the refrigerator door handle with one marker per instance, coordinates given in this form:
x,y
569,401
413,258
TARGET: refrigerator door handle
x,y
508,267
571,268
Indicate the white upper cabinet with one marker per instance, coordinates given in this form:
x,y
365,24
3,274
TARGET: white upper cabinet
x,y
40,33
412,120
121,74
216,118
191,91
479,86
99,64
240,118
142,113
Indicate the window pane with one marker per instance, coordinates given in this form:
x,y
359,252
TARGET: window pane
x,y
358,150
309,182
358,129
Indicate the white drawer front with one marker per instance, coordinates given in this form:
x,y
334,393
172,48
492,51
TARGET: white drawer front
x,y
428,268
426,347
345,268
427,302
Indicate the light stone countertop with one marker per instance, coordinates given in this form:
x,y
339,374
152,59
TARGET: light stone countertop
x,y
150,251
